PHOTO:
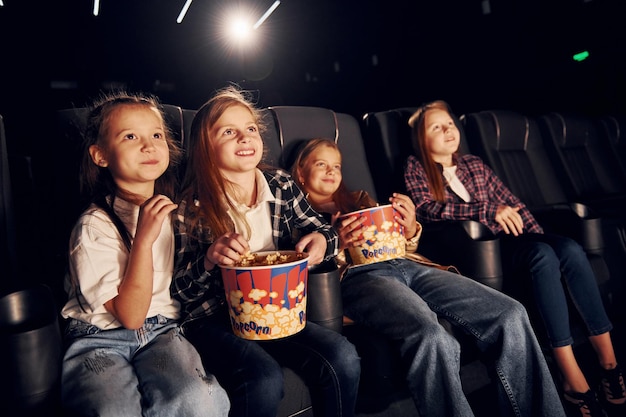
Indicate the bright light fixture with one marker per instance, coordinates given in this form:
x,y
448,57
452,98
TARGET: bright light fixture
x,y
267,14
183,11
96,7
240,29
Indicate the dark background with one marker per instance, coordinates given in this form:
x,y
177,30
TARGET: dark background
x,y
56,54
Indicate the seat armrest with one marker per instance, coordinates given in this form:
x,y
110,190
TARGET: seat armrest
x,y
574,220
324,305
467,244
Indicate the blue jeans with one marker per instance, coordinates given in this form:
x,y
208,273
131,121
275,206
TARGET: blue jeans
x,y
152,371
402,299
554,263
251,373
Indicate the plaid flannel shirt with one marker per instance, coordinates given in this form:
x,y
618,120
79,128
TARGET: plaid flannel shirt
x,y
487,191
201,292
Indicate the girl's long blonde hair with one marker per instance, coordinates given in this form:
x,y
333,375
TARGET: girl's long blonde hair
x,y
203,180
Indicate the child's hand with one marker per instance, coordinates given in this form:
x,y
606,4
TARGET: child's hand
x,y
227,250
315,245
152,213
510,220
350,231
405,207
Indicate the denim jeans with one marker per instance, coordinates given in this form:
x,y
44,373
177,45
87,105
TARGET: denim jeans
x,y
554,263
152,371
251,373
402,299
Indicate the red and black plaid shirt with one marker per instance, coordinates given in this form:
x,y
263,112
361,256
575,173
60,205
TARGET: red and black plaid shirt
x,y
485,188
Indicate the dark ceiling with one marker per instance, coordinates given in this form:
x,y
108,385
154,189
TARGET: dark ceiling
x,y
348,55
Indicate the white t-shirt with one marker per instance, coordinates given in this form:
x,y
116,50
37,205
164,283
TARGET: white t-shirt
x,y
449,173
98,260
258,217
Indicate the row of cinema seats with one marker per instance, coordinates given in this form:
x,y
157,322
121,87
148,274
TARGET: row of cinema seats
x,y
569,170
382,139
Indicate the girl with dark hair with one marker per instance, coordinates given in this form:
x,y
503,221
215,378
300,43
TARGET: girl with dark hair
x,y
126,354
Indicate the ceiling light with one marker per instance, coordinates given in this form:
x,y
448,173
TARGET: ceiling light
x,y
183,11
267,14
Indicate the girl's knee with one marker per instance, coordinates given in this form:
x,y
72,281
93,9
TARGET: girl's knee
x,y
571,248
515,312
434,337
344,359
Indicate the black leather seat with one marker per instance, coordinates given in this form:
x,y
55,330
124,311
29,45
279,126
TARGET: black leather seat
x,y
382,381
512,145
30,340
8,242
291,125
587,171
592,176
382,384
612,131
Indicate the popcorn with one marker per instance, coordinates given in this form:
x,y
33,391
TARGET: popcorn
x,y
269,301
384,237
274,258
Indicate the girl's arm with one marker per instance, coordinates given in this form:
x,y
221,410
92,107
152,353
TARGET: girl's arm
x,y
430,210
196,284
488,192
131,305
316,230
510,204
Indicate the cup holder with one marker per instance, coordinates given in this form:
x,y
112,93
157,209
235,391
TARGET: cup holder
x,y
30,351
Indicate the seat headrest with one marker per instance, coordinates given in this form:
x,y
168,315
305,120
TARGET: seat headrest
x,y
511,130
296,124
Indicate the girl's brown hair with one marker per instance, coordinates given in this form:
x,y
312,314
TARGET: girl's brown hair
x,y
342,197
422,151
96,181
203,180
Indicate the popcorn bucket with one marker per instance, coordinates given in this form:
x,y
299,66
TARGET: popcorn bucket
x,y
384,237
267,294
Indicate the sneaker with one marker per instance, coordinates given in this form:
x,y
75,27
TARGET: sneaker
x,y
583,405
612,384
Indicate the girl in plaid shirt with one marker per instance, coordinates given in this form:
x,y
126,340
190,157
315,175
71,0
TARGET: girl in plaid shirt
x,y
447,186
230,207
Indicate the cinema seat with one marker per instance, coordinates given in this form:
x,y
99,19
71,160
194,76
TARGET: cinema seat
x,y
469,245
8,242
291,125
590,175
512,145
612,130
382,385
588,172
30,340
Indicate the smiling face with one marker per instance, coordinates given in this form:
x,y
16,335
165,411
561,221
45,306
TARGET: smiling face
x,y
321,174
134,148
442,137
237,143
